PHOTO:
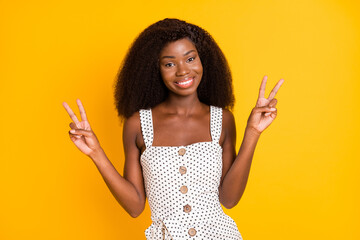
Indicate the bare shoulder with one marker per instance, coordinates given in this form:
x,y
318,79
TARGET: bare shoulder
x,y
228,127
133,122
228,119
132,130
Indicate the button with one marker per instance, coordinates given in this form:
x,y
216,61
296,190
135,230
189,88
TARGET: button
x,y
182,170
192,232
187,208
183,189
182,151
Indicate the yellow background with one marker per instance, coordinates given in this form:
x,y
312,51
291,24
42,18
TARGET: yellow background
x,y
304,181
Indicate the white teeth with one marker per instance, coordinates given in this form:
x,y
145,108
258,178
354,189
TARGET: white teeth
x,y
185,82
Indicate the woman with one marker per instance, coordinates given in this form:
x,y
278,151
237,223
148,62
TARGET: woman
x,y
174,90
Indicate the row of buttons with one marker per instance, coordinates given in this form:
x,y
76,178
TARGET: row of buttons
x,y
184,189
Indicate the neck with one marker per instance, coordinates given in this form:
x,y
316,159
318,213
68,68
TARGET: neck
x,y
182,105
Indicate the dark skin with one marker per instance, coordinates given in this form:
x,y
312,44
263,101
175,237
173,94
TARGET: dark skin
x,y
178,121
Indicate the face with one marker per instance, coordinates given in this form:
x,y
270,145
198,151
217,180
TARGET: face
x,y
180,67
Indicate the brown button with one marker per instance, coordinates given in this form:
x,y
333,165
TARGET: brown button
x,y
183,189
192,232
182,151
182,170
187,208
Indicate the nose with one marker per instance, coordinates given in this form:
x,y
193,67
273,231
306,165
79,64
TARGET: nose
x,y
182,69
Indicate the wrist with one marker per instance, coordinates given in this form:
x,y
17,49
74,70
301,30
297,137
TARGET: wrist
x,y
97,155
252,131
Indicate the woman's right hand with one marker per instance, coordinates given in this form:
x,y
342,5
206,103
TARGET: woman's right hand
x,y
81,134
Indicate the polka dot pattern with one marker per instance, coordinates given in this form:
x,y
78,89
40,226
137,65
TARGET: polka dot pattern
x,y
182,183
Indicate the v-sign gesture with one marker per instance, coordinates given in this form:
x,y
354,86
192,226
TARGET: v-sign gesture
x,y
264,113
81,134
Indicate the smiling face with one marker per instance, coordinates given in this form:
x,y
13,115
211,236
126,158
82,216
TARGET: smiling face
x,y
180,67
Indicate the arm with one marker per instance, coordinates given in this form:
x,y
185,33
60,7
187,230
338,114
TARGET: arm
x,y
127,190
236,168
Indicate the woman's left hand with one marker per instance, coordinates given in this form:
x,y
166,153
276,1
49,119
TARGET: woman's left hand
x,y
264,113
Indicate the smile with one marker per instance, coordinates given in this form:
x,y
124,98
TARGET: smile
x,y
185,83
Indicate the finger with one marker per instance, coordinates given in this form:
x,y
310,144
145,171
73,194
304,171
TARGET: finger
x,y
275,89
273,102
267,114
82,132
273,114
82,110
264,109
262,87
74,136
73,125
71,113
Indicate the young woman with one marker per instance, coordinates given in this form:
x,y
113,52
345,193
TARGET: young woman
x,y
174,91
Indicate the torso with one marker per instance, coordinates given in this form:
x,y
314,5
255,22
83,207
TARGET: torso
x,y
182,179
188,129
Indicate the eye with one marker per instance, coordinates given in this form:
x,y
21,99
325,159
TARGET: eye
x,y
169,64
191,59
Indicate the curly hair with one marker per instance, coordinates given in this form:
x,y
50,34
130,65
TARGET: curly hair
x,y
139,84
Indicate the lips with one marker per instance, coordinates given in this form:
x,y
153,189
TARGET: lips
x,y
187,82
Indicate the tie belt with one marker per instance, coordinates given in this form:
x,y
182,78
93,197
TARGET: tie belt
x,y
165,232
153,231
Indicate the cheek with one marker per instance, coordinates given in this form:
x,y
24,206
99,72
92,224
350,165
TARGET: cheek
x,y
199,69
165,75
163,72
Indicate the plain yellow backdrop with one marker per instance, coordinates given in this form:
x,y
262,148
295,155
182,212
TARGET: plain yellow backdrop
x,y
304,181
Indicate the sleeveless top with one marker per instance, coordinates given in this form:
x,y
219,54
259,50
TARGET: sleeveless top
x,y
182,186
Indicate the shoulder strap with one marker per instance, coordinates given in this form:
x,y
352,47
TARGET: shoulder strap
x,y
215,123
146,126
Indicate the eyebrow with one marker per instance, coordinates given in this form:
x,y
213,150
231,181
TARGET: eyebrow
x,y
174,57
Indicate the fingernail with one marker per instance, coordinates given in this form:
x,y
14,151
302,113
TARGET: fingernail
x,y
272,109
72,130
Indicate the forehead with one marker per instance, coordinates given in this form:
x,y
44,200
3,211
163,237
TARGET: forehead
x,y
178,47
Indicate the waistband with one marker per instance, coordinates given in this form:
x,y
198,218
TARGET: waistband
x,y
158,228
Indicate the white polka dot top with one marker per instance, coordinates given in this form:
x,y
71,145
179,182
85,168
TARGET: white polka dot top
x,y
181,185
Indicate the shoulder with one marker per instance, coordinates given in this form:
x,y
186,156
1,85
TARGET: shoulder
x,y
133,122
132,128
228,127
228,118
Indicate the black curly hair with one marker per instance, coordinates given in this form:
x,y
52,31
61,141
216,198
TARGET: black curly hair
x,y
139,84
